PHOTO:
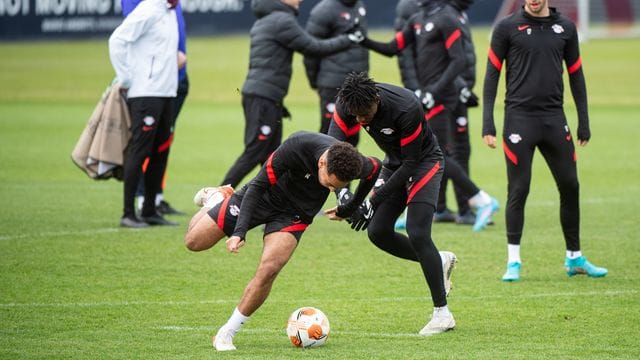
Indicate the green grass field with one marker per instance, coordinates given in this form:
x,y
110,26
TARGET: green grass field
x,y
75,285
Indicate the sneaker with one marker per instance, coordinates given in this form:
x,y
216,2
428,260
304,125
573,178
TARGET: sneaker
x,y
581,265
157,219
401,222
439,323
164,208
223,341
444,216
484,214
132,222
219,192
513,272
448,263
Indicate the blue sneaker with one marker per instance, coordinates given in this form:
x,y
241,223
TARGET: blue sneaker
x,y
581,265
484,214
513,272
401,223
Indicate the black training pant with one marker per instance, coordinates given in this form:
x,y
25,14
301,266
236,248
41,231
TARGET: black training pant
x,y
439,118
262,136
419,197
522,134
151,119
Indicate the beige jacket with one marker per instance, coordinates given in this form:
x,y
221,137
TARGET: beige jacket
x,y
100,151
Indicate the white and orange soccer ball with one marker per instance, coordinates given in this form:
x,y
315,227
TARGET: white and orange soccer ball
x,y
308,327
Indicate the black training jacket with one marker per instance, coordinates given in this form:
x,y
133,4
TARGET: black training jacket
x,y
534,49
330,18
406,59
274,37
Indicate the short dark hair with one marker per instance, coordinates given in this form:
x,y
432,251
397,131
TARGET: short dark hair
x,y
344,161
358,92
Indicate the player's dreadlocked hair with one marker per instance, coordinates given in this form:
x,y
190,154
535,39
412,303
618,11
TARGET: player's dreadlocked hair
x,y
358,92
344,161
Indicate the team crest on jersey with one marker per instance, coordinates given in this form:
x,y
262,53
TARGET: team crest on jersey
x,y
234,210
345,15
265,129
429,27
461,121
362,11
387,131
515,138
529,31
558,29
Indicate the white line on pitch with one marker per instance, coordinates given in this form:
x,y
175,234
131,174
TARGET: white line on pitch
x,y
283,330
59,233
386,299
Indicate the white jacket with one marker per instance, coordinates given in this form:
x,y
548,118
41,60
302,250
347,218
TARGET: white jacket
x,y
143,50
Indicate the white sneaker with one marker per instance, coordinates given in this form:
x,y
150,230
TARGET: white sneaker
x,y
449,261
223,341
215,194
441,321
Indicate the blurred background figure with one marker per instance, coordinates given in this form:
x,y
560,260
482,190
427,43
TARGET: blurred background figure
x,y
144,52
275,35
330,18
162,205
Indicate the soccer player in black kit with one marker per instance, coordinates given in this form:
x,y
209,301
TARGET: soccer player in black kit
x,y
287,193
534,42
435,36
410,178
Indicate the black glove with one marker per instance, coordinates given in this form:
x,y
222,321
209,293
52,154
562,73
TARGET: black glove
x,y
473,100
362,216
584,133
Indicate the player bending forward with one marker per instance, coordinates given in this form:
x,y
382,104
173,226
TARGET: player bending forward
x,y
287,193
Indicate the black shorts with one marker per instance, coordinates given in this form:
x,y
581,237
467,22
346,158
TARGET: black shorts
x,y
423,185
275,219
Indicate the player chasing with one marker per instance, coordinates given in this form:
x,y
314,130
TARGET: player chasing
x,y
285,195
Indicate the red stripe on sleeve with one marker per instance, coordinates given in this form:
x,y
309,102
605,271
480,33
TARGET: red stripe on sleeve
x,y
510,155
375,168
270,173
348,131
400,40
295,228
410,138
452,38
576,66
420,184
497,63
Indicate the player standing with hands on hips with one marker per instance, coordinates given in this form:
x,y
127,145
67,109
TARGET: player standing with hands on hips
x,y
535,41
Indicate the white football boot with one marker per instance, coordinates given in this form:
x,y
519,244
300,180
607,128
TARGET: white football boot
x,y
212,196
442,320
223,341
449,261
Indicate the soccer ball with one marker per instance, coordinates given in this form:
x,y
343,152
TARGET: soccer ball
x,y
308,327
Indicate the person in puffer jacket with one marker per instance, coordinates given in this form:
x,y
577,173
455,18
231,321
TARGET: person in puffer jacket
x,y
275,35
330,18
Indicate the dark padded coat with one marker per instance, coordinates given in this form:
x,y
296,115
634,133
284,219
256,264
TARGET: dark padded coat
x,y
274,37
330,18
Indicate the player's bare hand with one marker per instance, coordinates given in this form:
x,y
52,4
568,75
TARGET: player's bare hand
x,y
583,142
331,213
234,243
490,141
